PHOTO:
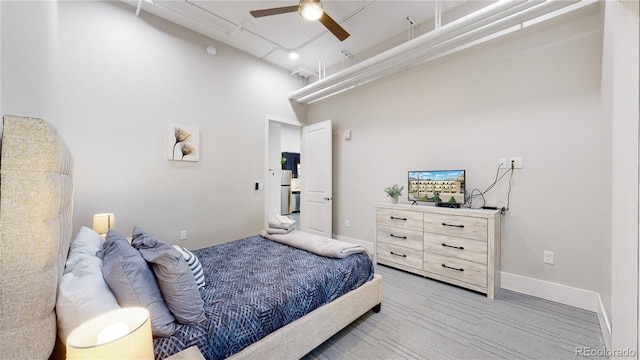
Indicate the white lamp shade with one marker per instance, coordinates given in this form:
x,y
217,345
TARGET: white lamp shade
x,y
103,222
119,334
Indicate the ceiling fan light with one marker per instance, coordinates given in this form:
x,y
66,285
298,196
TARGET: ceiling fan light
x,y
310,10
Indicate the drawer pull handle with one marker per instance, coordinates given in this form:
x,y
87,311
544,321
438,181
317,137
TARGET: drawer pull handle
x,y
398,218
458,226
452,268
451,246
400,255
399,237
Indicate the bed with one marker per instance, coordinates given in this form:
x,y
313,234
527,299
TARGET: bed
x,y
36,207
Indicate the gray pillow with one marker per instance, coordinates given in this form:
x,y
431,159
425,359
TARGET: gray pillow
x,y
175,279
133,283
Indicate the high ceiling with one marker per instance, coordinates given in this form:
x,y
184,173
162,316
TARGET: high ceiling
x,y
271,38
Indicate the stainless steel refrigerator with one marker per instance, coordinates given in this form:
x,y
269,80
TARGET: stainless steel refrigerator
x,y
285,192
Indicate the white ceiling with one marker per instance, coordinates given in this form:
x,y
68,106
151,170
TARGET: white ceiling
x,y
370,22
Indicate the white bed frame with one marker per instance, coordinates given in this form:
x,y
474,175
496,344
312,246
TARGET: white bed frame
x,y
34,154
298,338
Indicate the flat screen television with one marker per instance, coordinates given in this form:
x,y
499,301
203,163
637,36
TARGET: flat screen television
x,y
437,186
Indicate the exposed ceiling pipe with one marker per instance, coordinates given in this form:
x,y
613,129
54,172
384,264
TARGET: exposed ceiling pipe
x,y
478,25
321,67
412,27
512,23
234,31
173,11
502,27
406,47
438,15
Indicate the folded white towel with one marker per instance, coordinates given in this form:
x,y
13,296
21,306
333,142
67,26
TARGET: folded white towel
x,y
285,220
275,224
316,244
272,231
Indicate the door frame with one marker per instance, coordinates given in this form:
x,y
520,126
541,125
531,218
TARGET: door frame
x,y
267,136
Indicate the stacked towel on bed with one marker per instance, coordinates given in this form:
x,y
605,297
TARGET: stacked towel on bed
x,y
280,225
317,244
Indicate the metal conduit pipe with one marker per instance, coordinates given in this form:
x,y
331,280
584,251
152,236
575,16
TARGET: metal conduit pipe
x,y
486,33
429,41
480,24
424,54
408,46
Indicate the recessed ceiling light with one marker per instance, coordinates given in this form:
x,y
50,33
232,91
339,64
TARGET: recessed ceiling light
x,y
293,55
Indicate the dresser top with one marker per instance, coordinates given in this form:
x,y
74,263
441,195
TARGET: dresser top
x,y
481,213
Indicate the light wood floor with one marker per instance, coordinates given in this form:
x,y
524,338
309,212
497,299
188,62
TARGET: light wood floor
x,y
426,319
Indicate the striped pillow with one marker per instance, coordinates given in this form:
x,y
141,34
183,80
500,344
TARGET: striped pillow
x,y
194,265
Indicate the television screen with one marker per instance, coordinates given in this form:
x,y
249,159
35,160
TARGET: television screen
x,y
437,186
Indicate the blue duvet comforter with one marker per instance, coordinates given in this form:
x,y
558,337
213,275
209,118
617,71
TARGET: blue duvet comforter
x,y
255,286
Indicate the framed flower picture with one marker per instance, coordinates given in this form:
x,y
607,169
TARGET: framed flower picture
x,y
183,142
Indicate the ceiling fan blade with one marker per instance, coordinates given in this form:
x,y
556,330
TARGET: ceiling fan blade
x,y
334,27
274,11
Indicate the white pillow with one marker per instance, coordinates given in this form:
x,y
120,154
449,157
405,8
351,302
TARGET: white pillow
x,y
82,293
86,242
194,265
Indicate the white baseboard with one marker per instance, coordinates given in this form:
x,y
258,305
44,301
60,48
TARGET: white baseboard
x,y
568,295
580,298
583,299
605,325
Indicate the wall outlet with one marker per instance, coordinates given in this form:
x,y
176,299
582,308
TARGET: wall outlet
x,y
347,223
502,163
183,235
548,257
517,162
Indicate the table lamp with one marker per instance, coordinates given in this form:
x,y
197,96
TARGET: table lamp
x,y
119,334
103,222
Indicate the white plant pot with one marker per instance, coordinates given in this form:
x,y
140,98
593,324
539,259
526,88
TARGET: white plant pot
x,y
394,200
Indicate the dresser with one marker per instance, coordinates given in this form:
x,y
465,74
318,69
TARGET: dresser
x,y
456,246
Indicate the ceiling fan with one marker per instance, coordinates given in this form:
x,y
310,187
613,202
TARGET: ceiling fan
x,y
310,10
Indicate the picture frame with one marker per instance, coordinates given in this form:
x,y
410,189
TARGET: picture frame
x,y
183,142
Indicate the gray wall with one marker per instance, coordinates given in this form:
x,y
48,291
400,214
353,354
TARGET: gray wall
x,y
29,59
123,79
534,94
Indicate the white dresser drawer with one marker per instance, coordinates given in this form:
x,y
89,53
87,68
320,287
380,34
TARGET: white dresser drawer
x,y
400,255
456,225
401,237
458,269
400,219
455,247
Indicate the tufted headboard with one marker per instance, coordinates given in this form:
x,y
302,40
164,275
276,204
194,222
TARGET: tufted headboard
x,y
36,205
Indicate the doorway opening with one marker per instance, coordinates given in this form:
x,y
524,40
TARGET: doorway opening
x,y
282,181
289,180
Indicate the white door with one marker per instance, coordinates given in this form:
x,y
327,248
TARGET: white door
x,y
315,178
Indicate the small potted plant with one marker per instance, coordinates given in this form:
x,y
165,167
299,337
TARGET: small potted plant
x,y
394,192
